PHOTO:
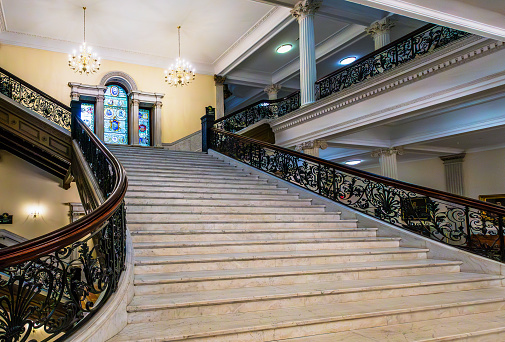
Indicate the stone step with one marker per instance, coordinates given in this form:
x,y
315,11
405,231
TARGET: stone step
x,y
168,306
206,280
141,157
174,170
278,324
236,234
137,226
243,246
213,195
163,208
253,203
202,182
274,191
209,262
198,186
188,166
157,164
128,152
218,216
190,177
481,327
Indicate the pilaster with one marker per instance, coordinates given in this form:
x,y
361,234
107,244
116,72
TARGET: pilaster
x,y
99,108
272,91
312,147
380,31
453,169
387,160
134,119
156,123
219,82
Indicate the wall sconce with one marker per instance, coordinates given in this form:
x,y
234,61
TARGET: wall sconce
x,y
35,212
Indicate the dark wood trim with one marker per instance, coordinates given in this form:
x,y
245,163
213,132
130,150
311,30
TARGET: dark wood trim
x,y
421,190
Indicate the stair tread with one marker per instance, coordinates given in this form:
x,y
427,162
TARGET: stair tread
x,y
159,278
178,329
177,244
161,259
440,329
248,231
183,299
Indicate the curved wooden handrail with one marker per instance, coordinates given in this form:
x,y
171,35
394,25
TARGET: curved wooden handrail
x,y
442,195
65,236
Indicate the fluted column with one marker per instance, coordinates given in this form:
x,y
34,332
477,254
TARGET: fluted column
x,y
312,147
99,130
134,122
272,91
156,124
219,82
304,12
380,32
387,160
453,166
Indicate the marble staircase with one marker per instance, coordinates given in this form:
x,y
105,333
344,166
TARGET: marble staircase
x,y
223,255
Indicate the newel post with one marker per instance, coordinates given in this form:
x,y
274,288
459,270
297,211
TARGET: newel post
x,y
207,123
75,111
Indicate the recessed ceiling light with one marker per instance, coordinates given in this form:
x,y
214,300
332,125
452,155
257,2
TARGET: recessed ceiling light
x,y
352,162
347,60
284,48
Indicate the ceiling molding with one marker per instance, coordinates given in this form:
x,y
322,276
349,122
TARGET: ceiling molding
x,y
436,150
464,21
267,27
251,78
3,23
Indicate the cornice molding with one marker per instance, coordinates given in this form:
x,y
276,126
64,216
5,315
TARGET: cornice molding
x,y
399,77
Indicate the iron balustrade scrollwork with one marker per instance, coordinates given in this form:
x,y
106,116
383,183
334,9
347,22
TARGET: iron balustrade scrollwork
x,y
34,99
468,224
52,285
420,42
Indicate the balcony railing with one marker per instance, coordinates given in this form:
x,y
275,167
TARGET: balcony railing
x,y
420,42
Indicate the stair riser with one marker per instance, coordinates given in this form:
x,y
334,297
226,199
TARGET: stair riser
x,y
162,156
217,202
250,236
186,171
264,248
183,192
237,264
134,226
278,333
161,162
251,217
297,301
203,195
476,337
202,182
222,209
200,187
189,167
190,178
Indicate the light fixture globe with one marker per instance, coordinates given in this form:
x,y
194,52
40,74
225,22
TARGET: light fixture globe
x,y
347,60
84,62
182,73
353,162
284,48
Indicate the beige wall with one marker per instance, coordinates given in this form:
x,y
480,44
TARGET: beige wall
x,y
24,186
49,71
482,172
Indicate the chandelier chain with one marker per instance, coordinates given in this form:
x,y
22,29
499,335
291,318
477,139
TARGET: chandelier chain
x,y
179,38
84,8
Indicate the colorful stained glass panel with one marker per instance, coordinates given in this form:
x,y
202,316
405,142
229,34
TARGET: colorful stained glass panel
x,y
144,128
88,115
116,116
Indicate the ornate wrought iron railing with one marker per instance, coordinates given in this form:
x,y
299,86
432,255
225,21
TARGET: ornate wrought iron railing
x,y
465,223
34,99
50,286
417,43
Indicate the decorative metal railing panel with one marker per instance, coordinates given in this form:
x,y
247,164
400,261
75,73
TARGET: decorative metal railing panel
x,y
51,286
34,99
387,58
268,109
419,42
468,224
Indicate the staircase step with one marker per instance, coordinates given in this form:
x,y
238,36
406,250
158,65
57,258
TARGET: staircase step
x,y
481,327
206,182
201,262
184,171
136,226
206,280
167,306
217,216
237,246
189,167
278,324
154,190
236,234
213,195
177,208
168,162
199,186
254,203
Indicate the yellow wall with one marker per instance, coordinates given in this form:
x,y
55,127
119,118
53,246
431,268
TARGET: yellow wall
x,y
24,186
49,71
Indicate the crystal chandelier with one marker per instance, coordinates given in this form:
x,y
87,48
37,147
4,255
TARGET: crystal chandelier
x,y
84,62
182,73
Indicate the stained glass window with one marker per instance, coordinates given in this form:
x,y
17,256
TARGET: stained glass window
x,y
144,128
115,116
88,115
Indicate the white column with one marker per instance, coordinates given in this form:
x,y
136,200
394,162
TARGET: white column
x,y
156,124
272,91
312,147
304,13
387,161
380,32
134,121
453,166
219,81
99,108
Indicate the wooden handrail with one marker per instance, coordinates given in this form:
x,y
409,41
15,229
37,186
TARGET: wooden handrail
x,y
421,190
73,232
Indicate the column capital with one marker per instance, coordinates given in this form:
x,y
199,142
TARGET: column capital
x,y
100,97
219,80
305,7
74,96
317,143
135,102
453,158
388,151
272,90
158,104
380,26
